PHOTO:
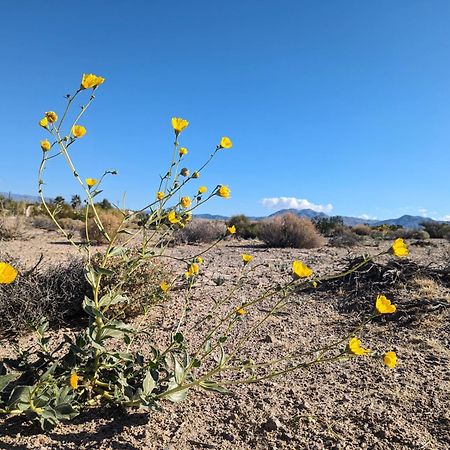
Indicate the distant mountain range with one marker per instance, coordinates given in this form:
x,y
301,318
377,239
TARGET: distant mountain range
x,y
406,221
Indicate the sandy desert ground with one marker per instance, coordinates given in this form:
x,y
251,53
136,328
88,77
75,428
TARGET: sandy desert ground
x,y
355,404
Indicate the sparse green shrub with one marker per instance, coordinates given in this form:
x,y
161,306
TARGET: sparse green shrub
x,y
200,231
407,233
328,226
44,222
345,238
11,228
245,228
361,229
289,231
436,229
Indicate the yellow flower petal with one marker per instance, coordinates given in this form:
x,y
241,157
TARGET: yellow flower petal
x,y
200,260
390,359
399,248
90,80
202,189
183,151
74,381
78,131
301,270
354,346
246,258
43,122
160,195
224,191
45,145
172,217
232,229
185,202
7,273
241,311
384,306
179,124
225,142
91,182
164,286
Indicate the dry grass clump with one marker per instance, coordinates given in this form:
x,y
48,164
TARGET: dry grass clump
x,y
425,287
72,225
200,231
290,231
11,228
44,223
111,221
345,238
55,292
362,229
140,283
406,233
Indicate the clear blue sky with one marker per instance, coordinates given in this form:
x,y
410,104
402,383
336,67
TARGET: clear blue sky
x,y
343,103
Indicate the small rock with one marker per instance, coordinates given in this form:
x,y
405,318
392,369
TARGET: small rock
x,y
271,424
228,437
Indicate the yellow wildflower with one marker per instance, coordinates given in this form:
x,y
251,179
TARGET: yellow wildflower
x,y
225,142
91,182
187,217
224,191
202,189
384,306
354,346
232,229
246,258
45,145
7,273
185,202
200,260
399,248
172,217
193,270
179,124
301,270
196,174
43,122
183,151
241,311
390,359
164,286
314,284
90,80
78,131
51,116
74,381
160,195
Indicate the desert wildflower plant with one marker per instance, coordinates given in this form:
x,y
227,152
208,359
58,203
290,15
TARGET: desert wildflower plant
x,y
51,382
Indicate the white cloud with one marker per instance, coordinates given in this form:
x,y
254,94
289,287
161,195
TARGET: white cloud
x,y
423,212
295,203
446,218
367,217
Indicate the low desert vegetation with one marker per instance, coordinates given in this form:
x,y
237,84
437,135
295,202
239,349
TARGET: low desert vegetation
x,y
289,230
104,361
245,228
199,231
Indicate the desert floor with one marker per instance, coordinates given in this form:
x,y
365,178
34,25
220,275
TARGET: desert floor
x,y
351,404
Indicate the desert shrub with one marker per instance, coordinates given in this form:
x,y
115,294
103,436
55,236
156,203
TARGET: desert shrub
x,y
245,228
407,233
328,226
345,238
362,229
11,228
289,231
111,222
200,231
436,229
73,225
54,292
44,222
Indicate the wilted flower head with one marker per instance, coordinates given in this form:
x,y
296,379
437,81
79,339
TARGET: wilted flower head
x,y
354,346
91,182
179,124
384,306
184,172
301,270
196,174
45,145
90,80
78,131
390,359
51,116
399,248
224,191
7,273
185,202
225,142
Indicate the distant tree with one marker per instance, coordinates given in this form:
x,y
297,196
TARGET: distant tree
x,y
105,204
59,200
75,202
328,225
